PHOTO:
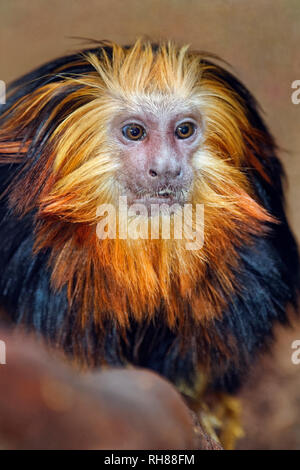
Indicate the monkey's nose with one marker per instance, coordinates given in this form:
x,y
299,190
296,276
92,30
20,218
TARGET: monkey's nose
x,y
167,174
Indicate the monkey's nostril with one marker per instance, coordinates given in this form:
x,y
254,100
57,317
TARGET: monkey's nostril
x,y
152,173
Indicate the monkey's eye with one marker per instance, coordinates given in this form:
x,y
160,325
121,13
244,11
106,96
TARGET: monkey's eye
x,y
185,130
133,131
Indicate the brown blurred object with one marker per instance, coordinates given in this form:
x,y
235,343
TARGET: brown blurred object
x,y
46,405
271,398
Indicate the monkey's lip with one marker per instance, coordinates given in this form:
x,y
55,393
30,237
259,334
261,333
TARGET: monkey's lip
x,y
165,198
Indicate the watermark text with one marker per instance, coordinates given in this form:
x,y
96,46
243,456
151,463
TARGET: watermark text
x,y
159,221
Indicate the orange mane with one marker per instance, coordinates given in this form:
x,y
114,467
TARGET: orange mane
x,y
127,279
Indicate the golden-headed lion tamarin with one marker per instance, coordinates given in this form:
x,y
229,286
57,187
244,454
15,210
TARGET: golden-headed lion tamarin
x,y
156,124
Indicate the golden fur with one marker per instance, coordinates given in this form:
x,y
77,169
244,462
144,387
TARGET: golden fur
x,y
133,278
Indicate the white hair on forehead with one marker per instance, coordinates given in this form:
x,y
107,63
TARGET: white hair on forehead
x,y
158,104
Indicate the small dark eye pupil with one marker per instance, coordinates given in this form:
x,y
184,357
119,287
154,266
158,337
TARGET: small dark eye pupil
x,y
184,129
134,131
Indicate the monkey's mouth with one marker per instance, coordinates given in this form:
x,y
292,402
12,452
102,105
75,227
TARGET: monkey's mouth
x,y
166,196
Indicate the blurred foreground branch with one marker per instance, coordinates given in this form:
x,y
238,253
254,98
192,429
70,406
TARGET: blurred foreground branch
x,y
44,404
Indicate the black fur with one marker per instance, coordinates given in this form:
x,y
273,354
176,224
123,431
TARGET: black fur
x,y
268,272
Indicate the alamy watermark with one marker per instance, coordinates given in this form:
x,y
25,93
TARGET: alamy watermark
x,y
295,96
295,357
2,92
159,221
2,352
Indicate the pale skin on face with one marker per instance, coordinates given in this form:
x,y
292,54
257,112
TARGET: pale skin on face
x,y
155,152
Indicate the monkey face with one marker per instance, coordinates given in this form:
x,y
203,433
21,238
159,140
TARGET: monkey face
x,y
155,152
